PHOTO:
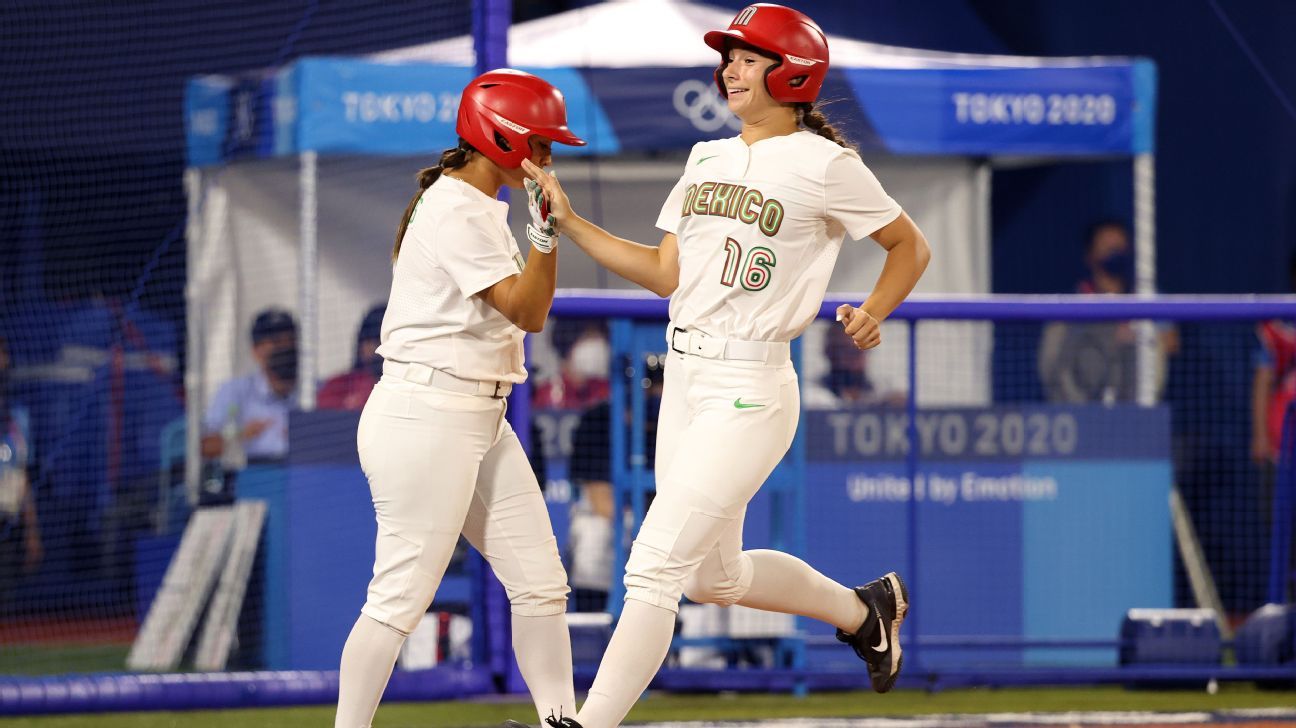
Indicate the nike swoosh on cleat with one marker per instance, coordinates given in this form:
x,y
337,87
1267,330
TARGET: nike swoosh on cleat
x,y
881,646
739,404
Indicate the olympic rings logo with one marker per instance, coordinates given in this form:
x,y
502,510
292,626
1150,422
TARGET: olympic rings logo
x,y
701,104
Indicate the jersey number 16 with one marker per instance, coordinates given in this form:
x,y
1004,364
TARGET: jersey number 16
x,y
756,271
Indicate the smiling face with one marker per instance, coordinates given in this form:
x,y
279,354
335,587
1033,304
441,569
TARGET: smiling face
x,y
744,80
541,156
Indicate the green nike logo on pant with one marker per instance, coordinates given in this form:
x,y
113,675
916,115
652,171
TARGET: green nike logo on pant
x,y
738,404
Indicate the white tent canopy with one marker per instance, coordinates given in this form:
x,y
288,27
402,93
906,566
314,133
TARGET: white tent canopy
x,y
638,33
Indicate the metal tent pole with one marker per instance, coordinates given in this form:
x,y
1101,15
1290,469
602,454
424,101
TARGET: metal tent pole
x,y
1145,272
308,281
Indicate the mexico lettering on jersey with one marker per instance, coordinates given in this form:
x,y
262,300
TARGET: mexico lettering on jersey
x,y
735,202
760,228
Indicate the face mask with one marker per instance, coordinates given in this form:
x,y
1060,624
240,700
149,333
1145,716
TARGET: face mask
x,y
590,356
840,380
1119,265
283,363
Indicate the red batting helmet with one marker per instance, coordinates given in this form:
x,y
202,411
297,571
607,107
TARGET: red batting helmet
x,y
800,45
510,106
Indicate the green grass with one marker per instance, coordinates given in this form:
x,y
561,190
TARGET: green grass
x,y
708,707
53,660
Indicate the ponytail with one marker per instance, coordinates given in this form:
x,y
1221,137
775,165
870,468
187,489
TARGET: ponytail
x,y
452,158
813,119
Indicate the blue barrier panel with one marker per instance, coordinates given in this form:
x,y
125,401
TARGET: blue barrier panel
x,y
118,693
1019,510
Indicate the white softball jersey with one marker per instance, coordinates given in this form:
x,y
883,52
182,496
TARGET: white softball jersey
x,y
457,244
760,228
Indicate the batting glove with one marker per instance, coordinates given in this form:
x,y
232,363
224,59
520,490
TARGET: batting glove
x,y
542,231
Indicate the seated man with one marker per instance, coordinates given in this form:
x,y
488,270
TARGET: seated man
x,y
251,412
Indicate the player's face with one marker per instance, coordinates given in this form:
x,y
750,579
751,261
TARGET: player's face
x,y
541,156
744,79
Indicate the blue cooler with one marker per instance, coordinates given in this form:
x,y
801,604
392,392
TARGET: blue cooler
x,y
1268,637
1170,637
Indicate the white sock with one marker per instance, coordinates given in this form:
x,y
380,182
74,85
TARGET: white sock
x,y
783,583
367,661
638,646
543,649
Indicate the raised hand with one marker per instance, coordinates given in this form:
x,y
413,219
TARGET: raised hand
x,y
542,231
559,205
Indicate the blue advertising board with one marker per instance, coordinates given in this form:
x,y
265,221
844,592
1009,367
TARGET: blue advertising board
x,y
1033,523
358,106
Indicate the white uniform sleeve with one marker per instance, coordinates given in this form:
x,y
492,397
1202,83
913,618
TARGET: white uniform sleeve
x,y
672,210
473,252
854,197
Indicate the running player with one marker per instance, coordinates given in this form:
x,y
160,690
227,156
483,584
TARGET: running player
x,y
753,229
440,457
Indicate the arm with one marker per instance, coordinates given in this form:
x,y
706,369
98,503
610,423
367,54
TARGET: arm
x,y
212,446
525,298
1262,384
654,268
907,256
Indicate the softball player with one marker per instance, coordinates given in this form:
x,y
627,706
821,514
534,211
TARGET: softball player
x,y
440,457
753,229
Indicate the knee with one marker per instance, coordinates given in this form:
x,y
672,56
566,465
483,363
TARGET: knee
x,y
541,597
717,583
724,592
539,603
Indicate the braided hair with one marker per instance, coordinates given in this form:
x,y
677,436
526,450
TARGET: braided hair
x,y
810,117
452,158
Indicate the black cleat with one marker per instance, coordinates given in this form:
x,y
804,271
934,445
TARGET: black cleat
x,y
877,641
562,722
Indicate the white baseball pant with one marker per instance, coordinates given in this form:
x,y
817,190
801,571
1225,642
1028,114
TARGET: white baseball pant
x,y
439,464
723,427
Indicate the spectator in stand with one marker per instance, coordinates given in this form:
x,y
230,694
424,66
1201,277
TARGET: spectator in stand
x,y
1273,388
582,379
1098,362
350,390
21,550
254,407
848,381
